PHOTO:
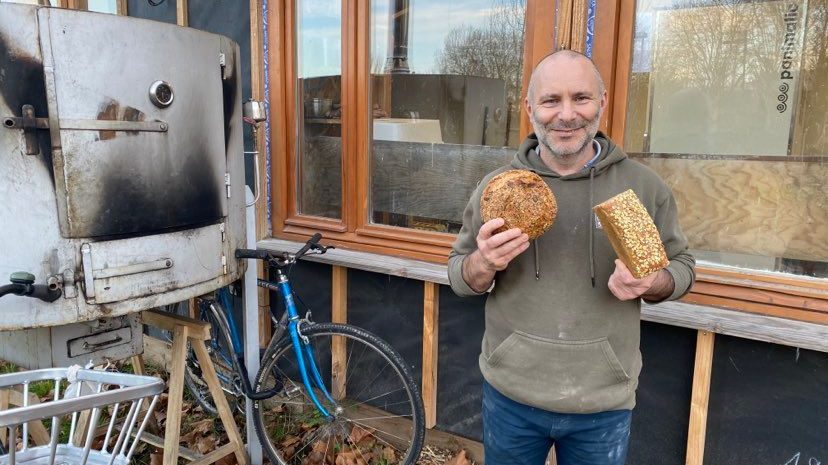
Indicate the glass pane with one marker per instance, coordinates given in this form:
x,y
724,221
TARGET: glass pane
x,y
733,113
103,6
319,65
445,90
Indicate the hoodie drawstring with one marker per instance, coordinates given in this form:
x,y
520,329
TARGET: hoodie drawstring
x,y
537,265
591,226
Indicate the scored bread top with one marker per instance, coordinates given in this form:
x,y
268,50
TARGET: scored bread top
x,y
522,199
632,233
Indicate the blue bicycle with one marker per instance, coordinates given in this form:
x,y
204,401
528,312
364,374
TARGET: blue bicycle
x,y
324,389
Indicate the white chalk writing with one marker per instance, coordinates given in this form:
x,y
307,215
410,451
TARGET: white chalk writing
x,y
795,460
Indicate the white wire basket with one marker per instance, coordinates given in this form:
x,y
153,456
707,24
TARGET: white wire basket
x,y
94,404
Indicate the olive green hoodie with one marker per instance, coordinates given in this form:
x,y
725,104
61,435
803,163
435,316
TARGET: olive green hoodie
x,y
556,338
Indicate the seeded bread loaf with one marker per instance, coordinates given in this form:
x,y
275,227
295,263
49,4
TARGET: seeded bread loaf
x,y
632,233
522,199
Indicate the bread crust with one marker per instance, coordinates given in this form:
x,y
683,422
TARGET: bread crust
x,y
632,233
522,199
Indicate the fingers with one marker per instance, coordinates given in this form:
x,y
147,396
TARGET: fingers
x,y
497,250
489,228
625,286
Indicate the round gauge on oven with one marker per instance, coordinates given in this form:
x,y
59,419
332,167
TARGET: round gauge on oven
x,y
161,94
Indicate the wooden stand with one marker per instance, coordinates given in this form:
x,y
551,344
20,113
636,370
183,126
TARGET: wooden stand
x,y
196,332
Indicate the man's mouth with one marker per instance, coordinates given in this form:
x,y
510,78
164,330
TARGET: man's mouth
x,y
565,132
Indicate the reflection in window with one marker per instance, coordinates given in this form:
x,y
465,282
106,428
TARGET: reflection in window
x,y
733,113
445,91
319,62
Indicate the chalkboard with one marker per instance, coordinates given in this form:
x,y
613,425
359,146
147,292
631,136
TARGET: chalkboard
x,y
768,405
660,419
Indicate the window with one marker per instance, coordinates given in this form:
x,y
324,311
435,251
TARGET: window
x,y
319,107
392,112
446,101
733,114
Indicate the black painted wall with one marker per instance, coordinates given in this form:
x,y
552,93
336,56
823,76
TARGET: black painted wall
x,y
768,402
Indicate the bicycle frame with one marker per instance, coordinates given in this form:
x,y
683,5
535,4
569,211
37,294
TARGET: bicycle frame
x,y
301,346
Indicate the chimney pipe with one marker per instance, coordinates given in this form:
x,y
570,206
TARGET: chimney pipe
x,y
397,63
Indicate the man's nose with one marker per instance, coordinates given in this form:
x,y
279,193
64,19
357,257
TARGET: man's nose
x,y
567,110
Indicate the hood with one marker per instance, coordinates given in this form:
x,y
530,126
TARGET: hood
x,y
527,158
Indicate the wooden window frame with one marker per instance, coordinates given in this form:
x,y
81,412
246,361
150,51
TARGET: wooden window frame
x,y
354,230
785,295
789,296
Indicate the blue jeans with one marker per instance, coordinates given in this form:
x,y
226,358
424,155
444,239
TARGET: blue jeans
x,y
517,434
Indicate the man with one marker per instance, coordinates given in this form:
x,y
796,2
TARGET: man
x,y
560,354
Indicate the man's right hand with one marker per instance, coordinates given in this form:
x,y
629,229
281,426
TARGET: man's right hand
x,y
494,253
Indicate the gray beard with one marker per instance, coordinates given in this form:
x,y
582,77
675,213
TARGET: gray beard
x,y
591,131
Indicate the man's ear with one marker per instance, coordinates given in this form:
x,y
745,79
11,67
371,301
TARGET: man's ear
x,y
528,107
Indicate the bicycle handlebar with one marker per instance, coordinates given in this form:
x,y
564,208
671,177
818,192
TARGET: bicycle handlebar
x,y
274,258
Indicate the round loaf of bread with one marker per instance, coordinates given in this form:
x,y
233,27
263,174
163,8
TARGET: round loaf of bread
x,y
522,199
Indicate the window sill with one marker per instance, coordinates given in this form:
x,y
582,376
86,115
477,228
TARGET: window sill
x,y
763,306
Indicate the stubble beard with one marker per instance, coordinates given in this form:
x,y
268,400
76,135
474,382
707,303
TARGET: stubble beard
x,y
560,152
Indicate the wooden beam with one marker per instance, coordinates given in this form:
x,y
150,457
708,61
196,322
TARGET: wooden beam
x,y
431,313
220,401
122,8
579,25
176,391
700,398
563,24
182,14
198,329
157,352
623,64
339,314
262,224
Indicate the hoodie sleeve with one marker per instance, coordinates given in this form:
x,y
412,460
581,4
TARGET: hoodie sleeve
x,y
682,264
465,244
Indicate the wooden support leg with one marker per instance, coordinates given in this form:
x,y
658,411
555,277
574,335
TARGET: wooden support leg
x,y
4,405
701,395
174,403
431,312
138,366
226,415
339,314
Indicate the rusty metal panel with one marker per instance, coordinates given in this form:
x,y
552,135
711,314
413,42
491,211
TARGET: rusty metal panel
x,y
134,182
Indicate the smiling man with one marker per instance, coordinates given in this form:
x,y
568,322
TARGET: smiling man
x,y
560,354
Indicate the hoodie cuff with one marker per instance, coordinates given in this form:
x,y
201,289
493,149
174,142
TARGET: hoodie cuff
x,y
681,280
455,277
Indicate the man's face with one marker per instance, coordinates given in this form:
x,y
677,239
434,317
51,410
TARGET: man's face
x,y
565,106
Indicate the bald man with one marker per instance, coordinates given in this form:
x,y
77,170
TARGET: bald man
x,y
560,354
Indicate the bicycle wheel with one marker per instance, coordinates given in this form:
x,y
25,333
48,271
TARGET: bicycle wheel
x,y
379,416
221,357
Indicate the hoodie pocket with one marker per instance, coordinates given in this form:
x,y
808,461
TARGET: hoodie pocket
x,y
580,371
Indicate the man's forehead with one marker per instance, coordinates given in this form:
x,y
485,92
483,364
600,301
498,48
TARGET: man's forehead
x,y
565,73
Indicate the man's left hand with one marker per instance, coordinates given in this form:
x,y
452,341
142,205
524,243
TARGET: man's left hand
x,y
625,286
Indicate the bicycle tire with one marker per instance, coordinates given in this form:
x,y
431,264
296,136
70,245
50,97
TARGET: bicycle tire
x,y
219,355
290,413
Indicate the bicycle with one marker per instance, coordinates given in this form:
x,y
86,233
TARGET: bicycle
x,y
323,389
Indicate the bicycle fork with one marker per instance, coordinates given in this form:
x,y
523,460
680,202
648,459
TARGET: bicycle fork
x,y
302,348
